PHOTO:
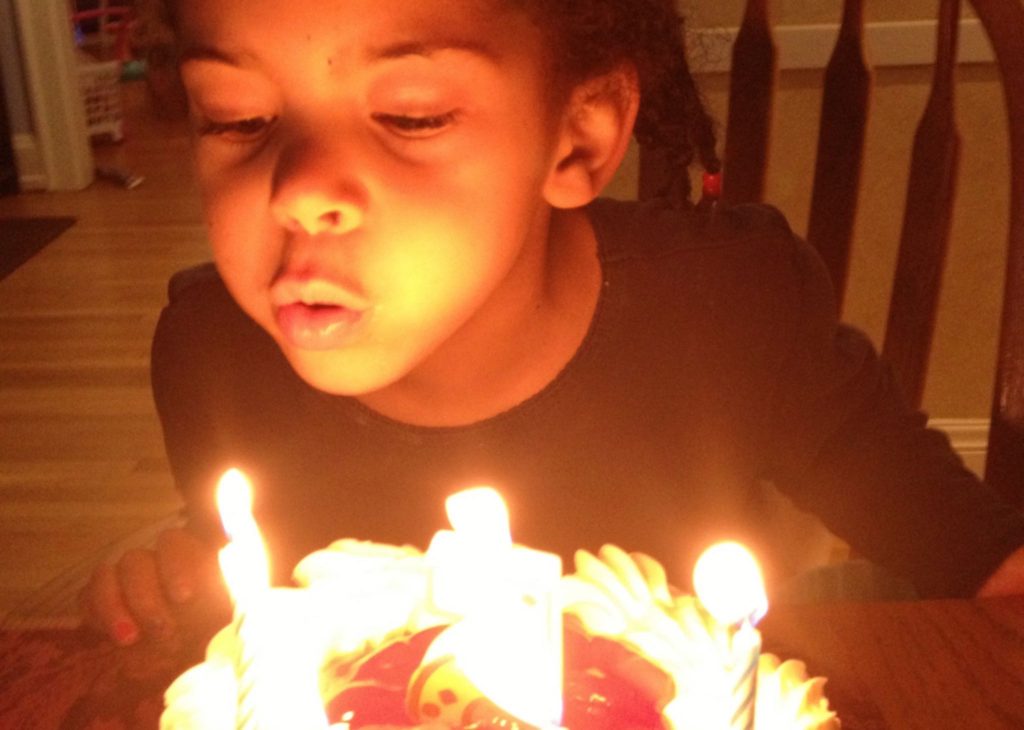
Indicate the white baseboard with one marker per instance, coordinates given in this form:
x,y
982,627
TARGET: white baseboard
x,y
28,158
969,437
904,43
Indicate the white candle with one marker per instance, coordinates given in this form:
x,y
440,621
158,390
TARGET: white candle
x,y
243,562
729,586
509,643
277,681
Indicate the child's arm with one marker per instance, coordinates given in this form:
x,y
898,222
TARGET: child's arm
x,y
844,445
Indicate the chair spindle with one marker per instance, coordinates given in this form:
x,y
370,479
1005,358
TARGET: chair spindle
x,y
751,88
1004,468
844,110
927,218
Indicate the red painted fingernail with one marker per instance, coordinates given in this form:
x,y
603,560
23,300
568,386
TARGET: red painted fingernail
x,y
125,632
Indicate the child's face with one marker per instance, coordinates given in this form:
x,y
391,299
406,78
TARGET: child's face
x,y
372,172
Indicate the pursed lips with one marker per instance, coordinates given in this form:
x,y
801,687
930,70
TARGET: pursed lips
x,y
315,313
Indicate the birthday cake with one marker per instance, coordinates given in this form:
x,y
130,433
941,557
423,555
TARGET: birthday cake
x,y
379,636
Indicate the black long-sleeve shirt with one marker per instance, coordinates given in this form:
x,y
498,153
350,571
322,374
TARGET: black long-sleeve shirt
x,y
713,364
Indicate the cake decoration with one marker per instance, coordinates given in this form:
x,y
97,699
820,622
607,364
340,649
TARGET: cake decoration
x,y
387,636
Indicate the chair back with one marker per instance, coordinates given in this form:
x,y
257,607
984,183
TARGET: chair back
x,y
930,192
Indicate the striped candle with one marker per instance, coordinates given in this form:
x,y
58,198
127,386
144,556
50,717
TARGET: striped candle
x,y
741,671
729,587
244,564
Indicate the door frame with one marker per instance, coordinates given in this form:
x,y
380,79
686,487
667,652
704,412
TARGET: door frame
x,y
59,143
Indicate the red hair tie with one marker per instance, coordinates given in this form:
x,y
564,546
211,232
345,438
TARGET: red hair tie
x,y
711,188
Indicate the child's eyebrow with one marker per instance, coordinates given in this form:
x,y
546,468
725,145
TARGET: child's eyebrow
x,y
201,52
431,47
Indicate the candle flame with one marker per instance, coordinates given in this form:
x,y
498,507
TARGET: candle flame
x,y
480,517
243,561
234,503
728,583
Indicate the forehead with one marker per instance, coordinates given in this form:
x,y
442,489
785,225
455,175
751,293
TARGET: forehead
x,y
353,26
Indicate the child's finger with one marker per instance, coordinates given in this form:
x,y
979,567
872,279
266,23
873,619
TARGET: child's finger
x,y
103,607
140,584
179,562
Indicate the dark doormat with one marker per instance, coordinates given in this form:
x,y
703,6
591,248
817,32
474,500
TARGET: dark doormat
x,y
23,238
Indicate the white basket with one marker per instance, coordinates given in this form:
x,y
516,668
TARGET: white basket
x,y
99,82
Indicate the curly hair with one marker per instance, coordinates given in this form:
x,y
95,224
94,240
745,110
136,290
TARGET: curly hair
x,y
591,37
588,38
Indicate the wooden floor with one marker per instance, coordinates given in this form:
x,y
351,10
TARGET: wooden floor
x,y
81,456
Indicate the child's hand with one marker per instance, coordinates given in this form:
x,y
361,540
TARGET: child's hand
x,y
155,594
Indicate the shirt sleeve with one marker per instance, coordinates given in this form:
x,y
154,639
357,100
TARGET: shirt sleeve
x,y
845,446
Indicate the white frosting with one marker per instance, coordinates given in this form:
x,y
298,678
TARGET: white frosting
x,y
354,596
627,597
786,698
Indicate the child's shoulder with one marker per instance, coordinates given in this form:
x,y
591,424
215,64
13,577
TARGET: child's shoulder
x,y
199,291
745,253
200,316
194,281
630,229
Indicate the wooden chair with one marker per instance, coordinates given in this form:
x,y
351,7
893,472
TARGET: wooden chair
x,y
930,192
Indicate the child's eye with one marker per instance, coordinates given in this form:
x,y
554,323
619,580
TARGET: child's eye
x,y
415,126
242,130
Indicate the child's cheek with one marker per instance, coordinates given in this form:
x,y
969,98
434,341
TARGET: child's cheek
x,y
241,235
234,183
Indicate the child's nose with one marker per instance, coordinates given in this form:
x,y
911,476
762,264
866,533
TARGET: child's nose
x,y
315,189
314,213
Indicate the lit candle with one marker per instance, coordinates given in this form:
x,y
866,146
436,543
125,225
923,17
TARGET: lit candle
x,y
276,676
244,558
243,562
729,586
471,560
508,644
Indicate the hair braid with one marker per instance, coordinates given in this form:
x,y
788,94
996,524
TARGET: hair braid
x,y
590,37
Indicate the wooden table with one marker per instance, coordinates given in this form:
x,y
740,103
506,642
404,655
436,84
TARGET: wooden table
x,y
929,664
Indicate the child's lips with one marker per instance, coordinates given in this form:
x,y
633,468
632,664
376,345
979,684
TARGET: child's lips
x,y
315,313
318,326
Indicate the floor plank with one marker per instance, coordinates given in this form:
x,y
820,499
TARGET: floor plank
x,y
82,470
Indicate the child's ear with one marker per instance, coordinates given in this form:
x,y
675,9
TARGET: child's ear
x,y
594,135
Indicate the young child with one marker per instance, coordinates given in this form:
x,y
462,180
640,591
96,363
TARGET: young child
x,y
416,291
